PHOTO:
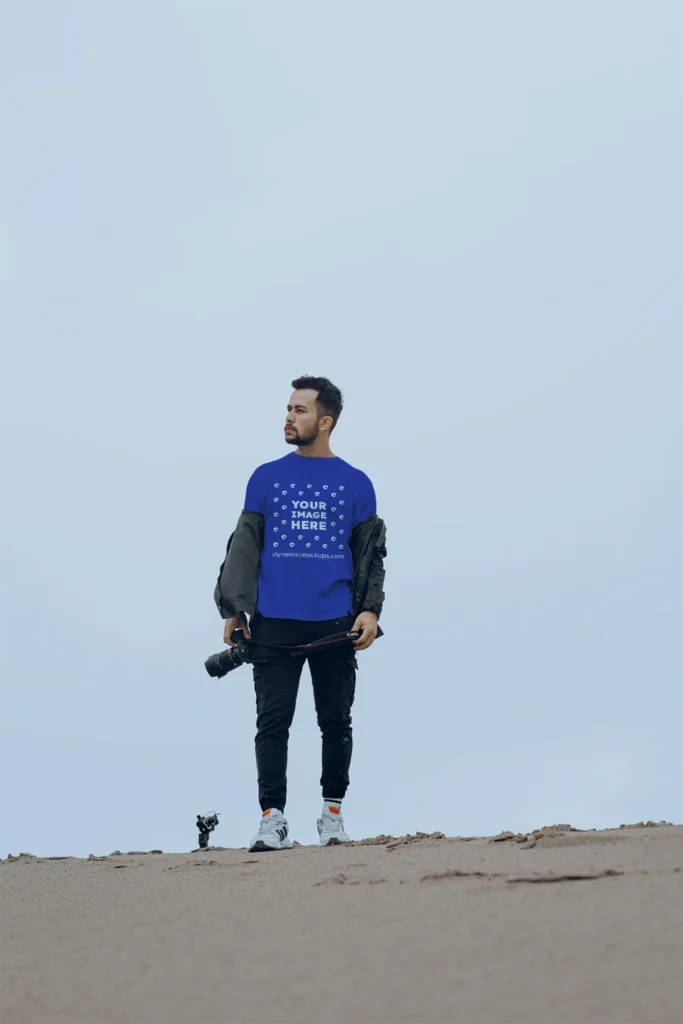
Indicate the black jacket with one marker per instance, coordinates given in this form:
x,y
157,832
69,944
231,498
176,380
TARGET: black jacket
x,y
237,586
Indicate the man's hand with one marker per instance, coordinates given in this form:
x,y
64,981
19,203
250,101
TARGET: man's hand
x,y
367,622
236,622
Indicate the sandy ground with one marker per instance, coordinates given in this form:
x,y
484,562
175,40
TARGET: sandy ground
x,y
561,927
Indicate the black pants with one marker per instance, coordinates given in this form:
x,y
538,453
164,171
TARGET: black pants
x,y
276,681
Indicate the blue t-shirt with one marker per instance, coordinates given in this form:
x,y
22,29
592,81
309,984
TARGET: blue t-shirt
x,y
310,506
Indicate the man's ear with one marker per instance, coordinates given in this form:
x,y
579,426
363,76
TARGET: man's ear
x,y
326,423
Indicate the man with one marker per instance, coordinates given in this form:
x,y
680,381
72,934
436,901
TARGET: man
x,y
305,562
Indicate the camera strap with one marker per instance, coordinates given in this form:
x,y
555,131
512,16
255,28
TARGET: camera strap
x,y
333,640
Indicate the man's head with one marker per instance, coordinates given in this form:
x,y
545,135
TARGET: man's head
x,y
313,410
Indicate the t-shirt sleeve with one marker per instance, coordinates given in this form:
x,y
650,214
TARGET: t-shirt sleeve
x,y
365,504
254,499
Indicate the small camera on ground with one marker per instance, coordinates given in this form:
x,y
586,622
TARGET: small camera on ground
x,y
206,823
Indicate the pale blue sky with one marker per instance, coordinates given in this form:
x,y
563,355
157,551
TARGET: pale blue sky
x,y
469,216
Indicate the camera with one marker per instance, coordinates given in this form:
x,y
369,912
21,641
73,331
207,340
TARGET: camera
x,y
206,823
218,665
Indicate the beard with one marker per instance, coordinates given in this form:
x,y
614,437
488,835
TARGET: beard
x,y
303,440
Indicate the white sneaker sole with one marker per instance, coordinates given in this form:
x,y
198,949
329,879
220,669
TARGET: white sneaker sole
x,y
334,841
260,846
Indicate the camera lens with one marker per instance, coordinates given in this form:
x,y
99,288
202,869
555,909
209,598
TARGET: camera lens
x,y
218,665
213,667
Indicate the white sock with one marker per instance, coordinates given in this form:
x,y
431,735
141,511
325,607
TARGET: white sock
x,y
333,806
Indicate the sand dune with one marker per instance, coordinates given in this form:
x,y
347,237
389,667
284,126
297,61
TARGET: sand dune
x,y
557,927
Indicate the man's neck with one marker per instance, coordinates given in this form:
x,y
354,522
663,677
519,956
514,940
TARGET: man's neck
x,y
318,450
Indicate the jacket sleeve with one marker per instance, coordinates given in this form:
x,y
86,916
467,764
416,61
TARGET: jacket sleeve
x,y
368,549
237,586
374,592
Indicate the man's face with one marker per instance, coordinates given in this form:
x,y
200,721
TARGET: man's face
x,y
302,425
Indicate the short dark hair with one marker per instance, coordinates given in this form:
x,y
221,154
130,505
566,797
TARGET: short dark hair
x,y
330,400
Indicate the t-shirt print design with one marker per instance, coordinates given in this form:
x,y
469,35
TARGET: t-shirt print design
x,y
309,518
